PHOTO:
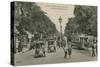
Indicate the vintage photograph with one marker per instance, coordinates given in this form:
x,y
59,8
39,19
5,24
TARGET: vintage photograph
x,y
48,33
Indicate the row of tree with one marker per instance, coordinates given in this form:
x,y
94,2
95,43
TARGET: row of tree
x,y
28,16
85,21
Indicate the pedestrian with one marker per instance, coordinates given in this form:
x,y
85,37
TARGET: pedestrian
x,y
96,49
93,46
19,47
43,49
65,51
66,47
58,42
69,48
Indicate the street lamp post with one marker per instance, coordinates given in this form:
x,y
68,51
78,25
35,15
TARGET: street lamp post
x,y
60,21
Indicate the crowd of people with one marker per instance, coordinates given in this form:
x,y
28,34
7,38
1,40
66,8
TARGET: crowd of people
x,y
66,45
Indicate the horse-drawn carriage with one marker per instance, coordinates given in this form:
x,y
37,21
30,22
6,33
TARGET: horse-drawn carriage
x,y
51,45
40,49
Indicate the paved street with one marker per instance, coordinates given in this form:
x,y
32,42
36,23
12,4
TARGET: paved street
x,y
27,58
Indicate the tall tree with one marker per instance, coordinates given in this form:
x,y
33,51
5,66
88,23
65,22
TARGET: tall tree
x,y
30,17
85,20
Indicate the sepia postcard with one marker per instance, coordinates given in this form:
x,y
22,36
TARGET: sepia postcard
x,y
48,33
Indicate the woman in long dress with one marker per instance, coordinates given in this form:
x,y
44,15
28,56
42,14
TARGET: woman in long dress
x,y
67,48
64,41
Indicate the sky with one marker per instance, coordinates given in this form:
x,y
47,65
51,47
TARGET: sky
x,y
54,11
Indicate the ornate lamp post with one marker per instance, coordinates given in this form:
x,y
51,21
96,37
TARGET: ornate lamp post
x,y
60,21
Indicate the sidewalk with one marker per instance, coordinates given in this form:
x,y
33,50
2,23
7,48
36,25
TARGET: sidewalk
x,y
58,57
